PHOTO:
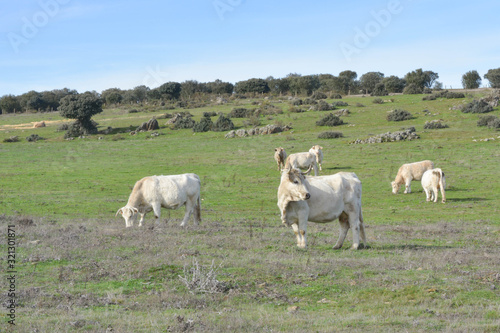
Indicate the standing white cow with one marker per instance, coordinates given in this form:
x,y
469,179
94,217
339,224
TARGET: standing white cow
x,y
321,199
432,181
303,160
409,172
280,157
318,151
171,192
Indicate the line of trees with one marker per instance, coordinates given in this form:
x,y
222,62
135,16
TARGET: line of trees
x,y
347,82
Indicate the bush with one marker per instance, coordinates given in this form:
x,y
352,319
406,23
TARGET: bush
x,y
323,106
412,89
318,95
330,120
204,125
239,113
477,107
295,109
77,129
330,135
11,139
63,127
434,124
443,94
491,121
336,96
378,101
223,124
340,103
133,111
297,101
209,114
34,138
399,115
360,105
184,122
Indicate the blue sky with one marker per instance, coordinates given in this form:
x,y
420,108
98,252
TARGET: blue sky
x,y
95,45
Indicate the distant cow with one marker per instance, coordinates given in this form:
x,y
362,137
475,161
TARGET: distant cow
x,y
39,124
409,172
304,161
171,192
321,199
280,157
318,151
432,181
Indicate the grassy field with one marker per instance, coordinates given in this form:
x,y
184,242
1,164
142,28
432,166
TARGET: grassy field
x,y
428,267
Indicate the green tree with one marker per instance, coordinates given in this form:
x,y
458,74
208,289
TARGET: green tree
x,y
112,96
219,87
170,90
369,80
257,86
421,79
346,82
394,84
493,76
81,107
10,104
471,80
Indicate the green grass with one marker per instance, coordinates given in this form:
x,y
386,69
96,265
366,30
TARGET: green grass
x,y
428,267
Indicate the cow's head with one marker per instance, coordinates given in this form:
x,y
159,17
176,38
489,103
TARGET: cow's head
x,y
293,187
395,187
129,214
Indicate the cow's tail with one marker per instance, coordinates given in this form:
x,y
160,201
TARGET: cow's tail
x,y
197,210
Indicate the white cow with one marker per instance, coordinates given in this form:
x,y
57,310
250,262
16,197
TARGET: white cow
x,y
303,160
432,181
280,157
318,151
409,172
171,192
322,200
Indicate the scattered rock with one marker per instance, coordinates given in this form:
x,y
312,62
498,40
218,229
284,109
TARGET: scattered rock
x,y
404,135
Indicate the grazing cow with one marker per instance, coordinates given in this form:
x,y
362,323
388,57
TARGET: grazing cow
x,y
39,124
321,199
432,181
317,150
303,160
280,157
409,172
171,192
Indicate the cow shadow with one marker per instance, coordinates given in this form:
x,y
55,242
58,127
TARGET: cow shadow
x,y
338,168
465,199
411,247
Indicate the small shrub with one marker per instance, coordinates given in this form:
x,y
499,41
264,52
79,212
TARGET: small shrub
x,y
434,124
34,138
399,115
336,96
490,120
297,101
11,139
340,103
209,114
318,95
252,121
204,125
378,101
222,124
477,107
63,127
323,106
360,105
295,109
133,111
202,279
310,101
239,113
184,122
330,120
330,135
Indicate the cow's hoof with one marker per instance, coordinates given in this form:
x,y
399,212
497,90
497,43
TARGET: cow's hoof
x,y
354,246
337,247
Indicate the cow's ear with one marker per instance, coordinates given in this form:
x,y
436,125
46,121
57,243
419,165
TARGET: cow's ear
x,y
320,147
275,149
135,210
120,211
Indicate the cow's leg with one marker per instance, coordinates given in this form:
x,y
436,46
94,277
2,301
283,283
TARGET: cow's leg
x,y
408,186
315,167
344,228
189,210
362,228
157,213
427,194
443,197
141,220
354,225
299,234
435,194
